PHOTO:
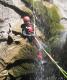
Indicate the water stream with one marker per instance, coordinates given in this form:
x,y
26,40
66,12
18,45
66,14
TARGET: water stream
x,y
40,62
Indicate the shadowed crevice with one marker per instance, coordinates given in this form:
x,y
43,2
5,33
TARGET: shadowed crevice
x,y
19,62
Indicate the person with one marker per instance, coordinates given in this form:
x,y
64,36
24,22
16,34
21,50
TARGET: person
x,y
27,31
27,28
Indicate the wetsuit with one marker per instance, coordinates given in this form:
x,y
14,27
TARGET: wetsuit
x,y
26,33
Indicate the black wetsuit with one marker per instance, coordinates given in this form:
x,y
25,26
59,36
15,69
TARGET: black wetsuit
x,y
25,32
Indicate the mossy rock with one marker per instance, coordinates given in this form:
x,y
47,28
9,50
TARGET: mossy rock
x,y
55,26
27,10
26,51
54,20
24,61
53,13
50,17
22,69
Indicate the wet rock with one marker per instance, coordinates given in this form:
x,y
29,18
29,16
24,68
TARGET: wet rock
x,y
10,54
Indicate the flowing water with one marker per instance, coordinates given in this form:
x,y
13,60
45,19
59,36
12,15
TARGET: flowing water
x,y
40,72
40,66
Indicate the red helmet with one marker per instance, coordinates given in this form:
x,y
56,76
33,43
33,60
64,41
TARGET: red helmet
x,y
39,56
26,18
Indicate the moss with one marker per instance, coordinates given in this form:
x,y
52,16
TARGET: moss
x,y
54,19
22,69
48,20
40,8
56,28
27,51
24,61
53,14
27,10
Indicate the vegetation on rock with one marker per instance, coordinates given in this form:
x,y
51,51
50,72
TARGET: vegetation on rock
x,y
24,61
47,20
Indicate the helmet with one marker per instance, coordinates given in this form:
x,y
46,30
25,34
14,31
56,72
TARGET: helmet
x,y
39,56
26,18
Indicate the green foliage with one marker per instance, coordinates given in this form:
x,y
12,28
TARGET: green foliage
x,y
54,41
40,9
27,10
55,26
54,18
49,21
53,14
50,17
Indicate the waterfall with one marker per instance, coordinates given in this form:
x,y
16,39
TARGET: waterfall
x,y
40,63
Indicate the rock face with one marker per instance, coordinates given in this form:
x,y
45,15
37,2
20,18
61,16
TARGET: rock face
x,y
9,19
18,58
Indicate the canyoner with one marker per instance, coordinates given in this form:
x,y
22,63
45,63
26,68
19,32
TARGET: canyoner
x,y
27,28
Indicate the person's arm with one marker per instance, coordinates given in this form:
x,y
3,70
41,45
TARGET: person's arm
x,y
23,29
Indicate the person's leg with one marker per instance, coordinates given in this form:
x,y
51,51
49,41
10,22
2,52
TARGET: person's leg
x,y
30,38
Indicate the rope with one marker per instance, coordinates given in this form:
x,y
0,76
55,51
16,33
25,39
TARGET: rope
x,y
54,62
60,68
